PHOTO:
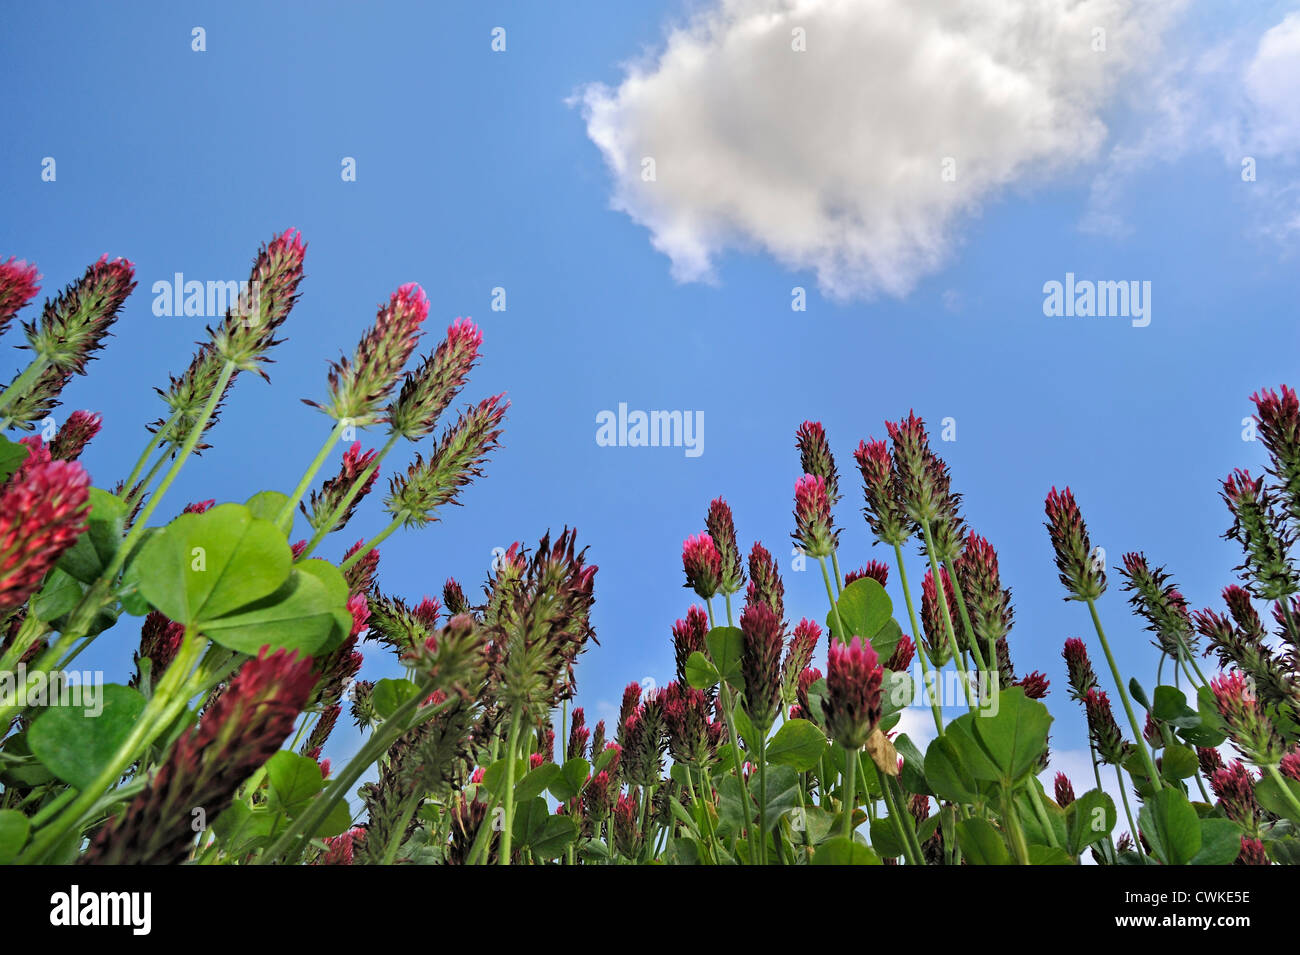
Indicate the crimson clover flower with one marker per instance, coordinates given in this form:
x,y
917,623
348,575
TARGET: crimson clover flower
x,y
358,386
1252,852
1102,728
688,638
874,569
722,529
1034,685
160,640
882,491
1082,677
798,655
988,602
73,326
644,743
1257,527
1234,786
765,581
762,639
703,565
76,432
1209,760
936,633
456,461
692,737
1278,417
815,457
334,491
1064,790
814,531
626,832
902,656
453,597
241,338
1159,603
576,748
597,797
854,681
925,486
429,389
1081,574
1250,724
17,288
236,735
807,678
43,510
1244,648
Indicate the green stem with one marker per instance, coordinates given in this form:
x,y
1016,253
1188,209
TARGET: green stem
x,y
1140,741
941,598
850,797
403,820
839,624
1128,814
762,799
371,544
511,743
916,635
155,440
285,519
991,664
20,384
135,492
328,525
168,700
1016,834
835,562
1040,811
1287,793
900,819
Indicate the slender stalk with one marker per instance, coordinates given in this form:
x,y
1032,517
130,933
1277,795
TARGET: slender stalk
x,y
850,782
826,578
20,384
1041,812
916,634
135,492
991,664
941,598
1128,814
155,440
168,700
1287,794
371,544
403,820
911,845
1016,834
508,832
762,800
1139,740
328,524
285,519
839,578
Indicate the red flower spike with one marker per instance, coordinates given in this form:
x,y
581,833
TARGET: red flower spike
x,y
854,681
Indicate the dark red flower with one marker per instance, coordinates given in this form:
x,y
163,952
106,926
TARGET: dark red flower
x,y
702,564
1081,573
853,701
874,569
43,511
814,532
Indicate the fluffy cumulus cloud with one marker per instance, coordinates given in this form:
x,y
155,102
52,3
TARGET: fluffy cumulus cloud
x,y
831,158
1272,84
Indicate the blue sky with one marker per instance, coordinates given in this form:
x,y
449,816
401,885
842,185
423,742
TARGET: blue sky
x,y
475,169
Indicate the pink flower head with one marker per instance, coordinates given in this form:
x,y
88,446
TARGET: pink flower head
x,y
812,516
815,456
1081,574
688,638
17,288
1064,791
902,656
765,580
722,529
854,679
702,564
1249,724
874,569
762,639
42,513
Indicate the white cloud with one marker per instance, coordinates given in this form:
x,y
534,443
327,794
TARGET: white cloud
x,y
831,159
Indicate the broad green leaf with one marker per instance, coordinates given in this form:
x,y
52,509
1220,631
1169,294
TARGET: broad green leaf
x,y
866,611
19,767
267,505
204,566
1135,690
60,595
844,851
1170,706
602,761
1178,762
128,588
897,692
1271,797
700,673
884,839
535,782
1171,826
242,829
947,774
980,843
552,837
86,559
12,456
292,781
494,777
389,694
302,615
724,645
913,775
570,780
1016,735
76,746
977,760
745,728
798,743
530,817
782,792
1089,819
1048,855
1220,842
14,828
